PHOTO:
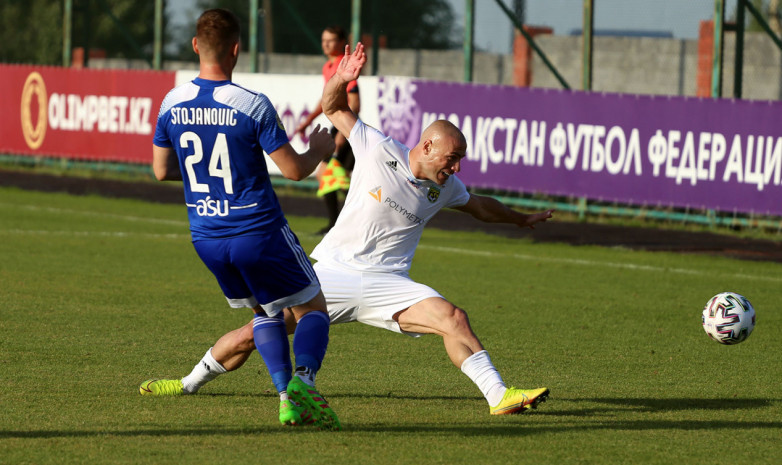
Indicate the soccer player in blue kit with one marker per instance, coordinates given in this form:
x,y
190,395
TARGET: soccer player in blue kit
x,y
211,134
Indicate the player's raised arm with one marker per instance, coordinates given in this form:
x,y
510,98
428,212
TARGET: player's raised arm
x,y
335,96
490,210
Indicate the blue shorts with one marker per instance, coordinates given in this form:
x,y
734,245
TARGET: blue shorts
x,y
270,269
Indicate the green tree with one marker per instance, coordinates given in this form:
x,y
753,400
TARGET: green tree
x,y
121,28
31,31
297,24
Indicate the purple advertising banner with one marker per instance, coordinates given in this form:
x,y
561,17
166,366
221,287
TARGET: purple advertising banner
x,y
722,154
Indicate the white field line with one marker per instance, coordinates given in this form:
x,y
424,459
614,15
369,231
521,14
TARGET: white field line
x,y
43,232
66,211
597,263
569,261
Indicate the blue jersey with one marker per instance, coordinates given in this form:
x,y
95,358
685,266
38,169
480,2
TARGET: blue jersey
x,y
219,131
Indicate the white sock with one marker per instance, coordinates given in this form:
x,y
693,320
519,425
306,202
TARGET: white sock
x,y
206,370
481,371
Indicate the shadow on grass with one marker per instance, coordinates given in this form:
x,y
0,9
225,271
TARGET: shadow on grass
x,y
501,426
213,430
657,405
615,404
522,428
603,420
504,428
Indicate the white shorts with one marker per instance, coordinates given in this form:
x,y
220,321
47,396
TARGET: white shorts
x,y
371,298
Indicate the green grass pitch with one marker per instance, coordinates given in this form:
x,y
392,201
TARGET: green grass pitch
x,y
97,295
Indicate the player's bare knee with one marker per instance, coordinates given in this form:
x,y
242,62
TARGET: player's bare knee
x,y
245,340
458,321
290,320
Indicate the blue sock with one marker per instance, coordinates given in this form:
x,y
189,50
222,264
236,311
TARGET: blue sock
x,y
310,340
271,340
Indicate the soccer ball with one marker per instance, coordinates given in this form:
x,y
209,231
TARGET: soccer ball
x,y
728,318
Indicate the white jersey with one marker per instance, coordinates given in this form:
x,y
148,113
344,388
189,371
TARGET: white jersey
x,y
386,208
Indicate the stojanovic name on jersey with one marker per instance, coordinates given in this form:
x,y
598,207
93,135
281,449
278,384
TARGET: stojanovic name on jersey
x,y
204,116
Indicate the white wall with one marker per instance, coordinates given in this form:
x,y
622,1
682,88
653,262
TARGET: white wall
x,y
295,95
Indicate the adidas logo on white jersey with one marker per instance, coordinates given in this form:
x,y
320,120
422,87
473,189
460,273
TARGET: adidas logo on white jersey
x,y
391,164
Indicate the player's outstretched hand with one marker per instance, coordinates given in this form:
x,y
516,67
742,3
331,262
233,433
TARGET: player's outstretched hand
x,y
321,141
534,218
350,66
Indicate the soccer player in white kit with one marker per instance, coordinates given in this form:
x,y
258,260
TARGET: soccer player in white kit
x,y
363,262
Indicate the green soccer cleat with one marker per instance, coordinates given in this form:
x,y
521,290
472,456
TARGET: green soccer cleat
x,y
294,415
161,387
309,398
519,401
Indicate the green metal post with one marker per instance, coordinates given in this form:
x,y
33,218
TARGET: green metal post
x,y
589,21
157,55
67,31
263,44
355,23
738,64
375,37
253,36
719,34
268,33
582,209
87,15
469,30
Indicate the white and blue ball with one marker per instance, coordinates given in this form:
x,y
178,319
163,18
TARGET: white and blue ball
x,y
728,318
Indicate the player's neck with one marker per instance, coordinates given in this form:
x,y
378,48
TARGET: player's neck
x,y
415,167
214,72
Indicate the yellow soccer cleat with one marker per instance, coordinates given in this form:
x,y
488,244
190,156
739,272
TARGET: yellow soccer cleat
x,y
519,401
161,387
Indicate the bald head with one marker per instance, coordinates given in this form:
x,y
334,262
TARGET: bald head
x,y
441,129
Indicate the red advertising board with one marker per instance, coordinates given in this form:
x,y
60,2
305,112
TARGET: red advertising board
x,y
86,114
